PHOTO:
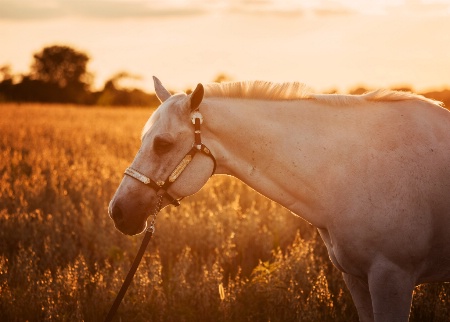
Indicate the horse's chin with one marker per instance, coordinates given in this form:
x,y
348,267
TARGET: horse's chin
x,y
132,231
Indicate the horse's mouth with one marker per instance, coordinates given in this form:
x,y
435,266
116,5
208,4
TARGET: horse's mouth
x,y
129,230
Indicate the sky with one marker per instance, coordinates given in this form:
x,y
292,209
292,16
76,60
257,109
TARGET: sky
x,y
325,44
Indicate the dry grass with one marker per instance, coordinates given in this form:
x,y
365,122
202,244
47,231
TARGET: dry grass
x,y
227,254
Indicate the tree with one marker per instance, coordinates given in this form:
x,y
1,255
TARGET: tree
x,y
65,68
60,65
222,78
116,94
5,82
5,73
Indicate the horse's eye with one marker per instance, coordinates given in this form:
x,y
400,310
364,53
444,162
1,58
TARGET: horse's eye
x,y
161,145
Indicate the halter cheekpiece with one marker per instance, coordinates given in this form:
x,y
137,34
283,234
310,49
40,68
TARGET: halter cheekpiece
x,y
161,187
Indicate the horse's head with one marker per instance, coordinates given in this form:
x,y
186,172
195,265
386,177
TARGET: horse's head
x,y
164,169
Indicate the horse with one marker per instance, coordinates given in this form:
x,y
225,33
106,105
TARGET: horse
x,y
371,172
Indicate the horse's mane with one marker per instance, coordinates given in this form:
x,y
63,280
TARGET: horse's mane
x,y
298,91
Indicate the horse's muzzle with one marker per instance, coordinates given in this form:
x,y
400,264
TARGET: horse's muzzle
x,y
124,226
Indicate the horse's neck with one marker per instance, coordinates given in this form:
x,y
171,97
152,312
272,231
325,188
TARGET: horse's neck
x,y
265,144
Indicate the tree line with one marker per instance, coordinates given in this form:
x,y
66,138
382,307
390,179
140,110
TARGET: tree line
x,y
59,74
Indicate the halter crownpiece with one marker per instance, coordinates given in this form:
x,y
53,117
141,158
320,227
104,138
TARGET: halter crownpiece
x,y
197,120
196,115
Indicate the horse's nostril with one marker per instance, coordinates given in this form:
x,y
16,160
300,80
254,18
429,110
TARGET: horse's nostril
x,y
116,214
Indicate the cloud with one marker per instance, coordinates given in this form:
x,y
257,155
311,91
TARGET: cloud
x,y
111,9
45,9
19,9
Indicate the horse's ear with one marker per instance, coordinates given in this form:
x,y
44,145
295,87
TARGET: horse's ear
x,y
161,92
197,97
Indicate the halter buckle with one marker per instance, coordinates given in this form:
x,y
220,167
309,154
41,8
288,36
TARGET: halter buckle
x,y
196,115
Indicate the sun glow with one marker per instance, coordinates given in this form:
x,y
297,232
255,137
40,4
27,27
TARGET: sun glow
x,y
324,44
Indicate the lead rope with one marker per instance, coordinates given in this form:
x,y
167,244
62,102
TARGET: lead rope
x,y
149,231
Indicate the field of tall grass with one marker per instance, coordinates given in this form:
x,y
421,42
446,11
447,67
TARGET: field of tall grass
x,y
226,254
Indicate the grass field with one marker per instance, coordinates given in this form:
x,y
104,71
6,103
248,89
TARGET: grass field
x,y
226,254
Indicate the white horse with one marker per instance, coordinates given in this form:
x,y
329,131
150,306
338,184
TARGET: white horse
x,y
371,172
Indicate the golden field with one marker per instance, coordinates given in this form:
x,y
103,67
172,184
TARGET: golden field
x,y
226,254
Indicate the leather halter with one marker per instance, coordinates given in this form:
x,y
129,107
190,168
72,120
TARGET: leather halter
x,y
161,187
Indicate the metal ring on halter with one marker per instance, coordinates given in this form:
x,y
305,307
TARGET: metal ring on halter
x,y
151,227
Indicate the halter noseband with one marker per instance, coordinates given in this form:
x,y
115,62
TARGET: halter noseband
x,y
161,186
